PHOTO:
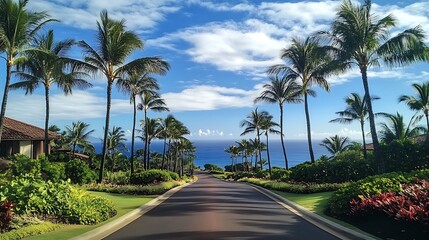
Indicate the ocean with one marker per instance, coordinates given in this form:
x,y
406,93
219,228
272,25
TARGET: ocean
x,y
212,151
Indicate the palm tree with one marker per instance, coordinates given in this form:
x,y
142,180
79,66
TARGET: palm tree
x,y
268,126
114,44
308,62
151,129
243,147
167,127
396,130
420,102
136,83
356,110
48,65
18,26
360,38
336,144
77,135
115,144
281,90
178,131
254,124
150,100
233,151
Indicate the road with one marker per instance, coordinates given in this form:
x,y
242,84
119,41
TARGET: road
x,y
214,209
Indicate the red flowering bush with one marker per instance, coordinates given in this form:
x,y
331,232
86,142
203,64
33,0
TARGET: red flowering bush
x,y
411,204
5,215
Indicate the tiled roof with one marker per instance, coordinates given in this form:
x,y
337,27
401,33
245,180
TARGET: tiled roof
x,y
418,139
17,130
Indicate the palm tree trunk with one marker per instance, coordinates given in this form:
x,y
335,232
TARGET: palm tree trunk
x,y
307,116
169,155
367,98
106,130
427,129
268,155
74,149
281,137
5,94
363,139
145,141
148,155
46,143
256,160
163,154
132,135
259,149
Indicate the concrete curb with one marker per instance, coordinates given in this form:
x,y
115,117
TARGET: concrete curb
x,y
323,223
113,226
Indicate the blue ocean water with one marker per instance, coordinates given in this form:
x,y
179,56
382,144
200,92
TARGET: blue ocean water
x,y
212,151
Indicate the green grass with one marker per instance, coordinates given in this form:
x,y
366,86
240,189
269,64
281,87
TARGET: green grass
x,y
123,204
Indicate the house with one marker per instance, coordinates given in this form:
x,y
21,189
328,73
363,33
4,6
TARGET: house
x,y
20,137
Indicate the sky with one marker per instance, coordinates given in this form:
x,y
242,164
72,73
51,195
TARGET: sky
x,y
218,52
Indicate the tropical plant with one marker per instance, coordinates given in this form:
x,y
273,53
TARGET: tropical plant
x,y
115,144
114,44
281,90
234,152
150,100
336,144
360,38
134,84
253,123
420,102
18,27
269,126
48,64
356,110
396,130
151,129
77,135
309,63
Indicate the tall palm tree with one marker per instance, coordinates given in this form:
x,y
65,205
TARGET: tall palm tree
x,y
253,123
336,144
356,110
281,90
18,27
233,151
269,126
420,102
396,130
48,64
114,44
150,100
311,64
136,83
115,144
167,127
77,135
243,147
362,39
178,131
151,129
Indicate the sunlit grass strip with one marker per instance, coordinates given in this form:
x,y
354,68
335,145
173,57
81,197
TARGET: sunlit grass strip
x,y
294,187
30,231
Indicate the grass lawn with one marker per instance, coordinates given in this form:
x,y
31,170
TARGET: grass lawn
x,y
123,204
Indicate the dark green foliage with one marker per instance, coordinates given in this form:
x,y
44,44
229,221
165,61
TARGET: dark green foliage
x,y
60,200
152,176
23,165
54,171
346,166
174,175
212,167
339,202
237,167
59,157
405,155
117,178
238,175
294,187
281,174
78,172
153,189
28,231
262,174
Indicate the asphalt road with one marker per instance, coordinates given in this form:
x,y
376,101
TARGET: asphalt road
x,y
214,209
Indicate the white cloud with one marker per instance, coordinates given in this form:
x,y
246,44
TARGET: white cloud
x,y
208,132
210,97
352,134
141,15
80,105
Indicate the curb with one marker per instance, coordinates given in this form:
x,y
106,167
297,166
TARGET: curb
x,y
321,222
113,226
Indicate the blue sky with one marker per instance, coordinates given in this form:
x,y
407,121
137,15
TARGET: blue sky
x,y
218,52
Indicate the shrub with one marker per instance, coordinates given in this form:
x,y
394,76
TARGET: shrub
x,y
151,176
24,165
159,188
410,205
212,167
78,172
117,178
29,231
173,175
338,204
280,174
294,187
236,167
60,200
52,171
405,155
5,215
